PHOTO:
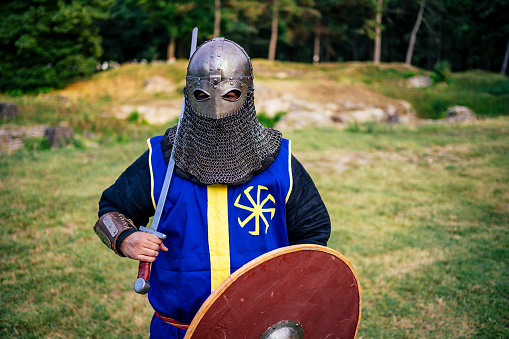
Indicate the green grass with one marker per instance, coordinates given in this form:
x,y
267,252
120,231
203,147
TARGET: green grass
x,y
421,213
487,94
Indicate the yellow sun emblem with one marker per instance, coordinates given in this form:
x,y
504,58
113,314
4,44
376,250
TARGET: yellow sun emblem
x,y
257,209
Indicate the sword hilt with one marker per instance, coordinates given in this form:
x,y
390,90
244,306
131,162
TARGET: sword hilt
x,y
141,285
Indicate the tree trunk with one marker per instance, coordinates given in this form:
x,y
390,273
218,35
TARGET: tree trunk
x,y
355,54
440,37
327,48
273,36
171,49
217,21
504,65
316,51
378,32
410,50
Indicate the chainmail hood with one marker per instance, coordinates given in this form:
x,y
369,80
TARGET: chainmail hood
x,y
229,150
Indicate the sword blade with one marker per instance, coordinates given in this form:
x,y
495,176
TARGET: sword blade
x,y
171,163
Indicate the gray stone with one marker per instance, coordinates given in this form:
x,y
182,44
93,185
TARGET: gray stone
x,y
157,114
419,81
8,110
10,141
301,119
59,136
13,138
158,84
460,114
361,116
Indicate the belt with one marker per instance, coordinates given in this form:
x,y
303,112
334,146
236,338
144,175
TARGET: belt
x,y
173,322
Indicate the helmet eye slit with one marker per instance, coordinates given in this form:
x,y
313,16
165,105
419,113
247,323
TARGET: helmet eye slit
x,y
232,95
200,95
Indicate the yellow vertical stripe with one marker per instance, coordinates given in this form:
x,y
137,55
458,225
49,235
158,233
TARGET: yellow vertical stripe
x,y
151,172
219,240
289,170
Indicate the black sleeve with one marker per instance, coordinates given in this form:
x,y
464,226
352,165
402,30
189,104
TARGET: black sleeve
x,y
131,193
307,219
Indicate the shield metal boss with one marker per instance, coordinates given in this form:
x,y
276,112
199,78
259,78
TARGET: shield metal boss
x,y
312,288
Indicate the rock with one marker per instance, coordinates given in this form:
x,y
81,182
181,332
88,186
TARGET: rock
x,y
152,114
301,119
13,138
460,114
419,81
10,141
8,110
59,136
347,105
400,111
55,97
361,116
158,84
272,106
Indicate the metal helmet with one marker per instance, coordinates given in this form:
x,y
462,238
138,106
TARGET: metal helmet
x,y
220,140
218,67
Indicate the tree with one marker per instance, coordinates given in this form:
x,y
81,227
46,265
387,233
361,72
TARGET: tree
x,y
129,34
179,17
47,43
378,32
411,44
373,28
217,20
298,20
273,36
506,57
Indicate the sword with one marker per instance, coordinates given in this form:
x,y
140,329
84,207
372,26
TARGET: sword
x,y
141,285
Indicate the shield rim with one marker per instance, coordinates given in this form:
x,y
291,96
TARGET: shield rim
x,y
259,260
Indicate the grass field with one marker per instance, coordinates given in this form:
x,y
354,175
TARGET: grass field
x,y
422,214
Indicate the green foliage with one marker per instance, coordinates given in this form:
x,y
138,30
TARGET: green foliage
x,y
134,116
179,17
501,89
269,121
37,144
441,72
128,34
45,43
435,108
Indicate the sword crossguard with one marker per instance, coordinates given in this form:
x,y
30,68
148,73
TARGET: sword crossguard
x,y
151,231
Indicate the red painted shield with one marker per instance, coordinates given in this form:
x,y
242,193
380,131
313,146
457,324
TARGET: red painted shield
x,y
311,285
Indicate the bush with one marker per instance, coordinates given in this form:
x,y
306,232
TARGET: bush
x,y
268,121
441,72
37,144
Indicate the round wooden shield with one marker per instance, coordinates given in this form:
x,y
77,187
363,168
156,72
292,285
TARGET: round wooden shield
x,y
310,286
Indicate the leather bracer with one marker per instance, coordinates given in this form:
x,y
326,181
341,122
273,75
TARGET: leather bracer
x,y
109,228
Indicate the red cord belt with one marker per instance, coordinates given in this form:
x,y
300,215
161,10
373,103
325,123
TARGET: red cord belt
x,y
173,322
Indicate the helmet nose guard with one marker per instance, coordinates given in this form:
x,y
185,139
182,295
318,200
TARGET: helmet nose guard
x,y
217,67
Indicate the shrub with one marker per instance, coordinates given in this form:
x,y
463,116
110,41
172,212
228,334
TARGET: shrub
x,y
269,121
441,72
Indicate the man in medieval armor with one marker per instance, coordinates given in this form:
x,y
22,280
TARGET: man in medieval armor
x,y
237,192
